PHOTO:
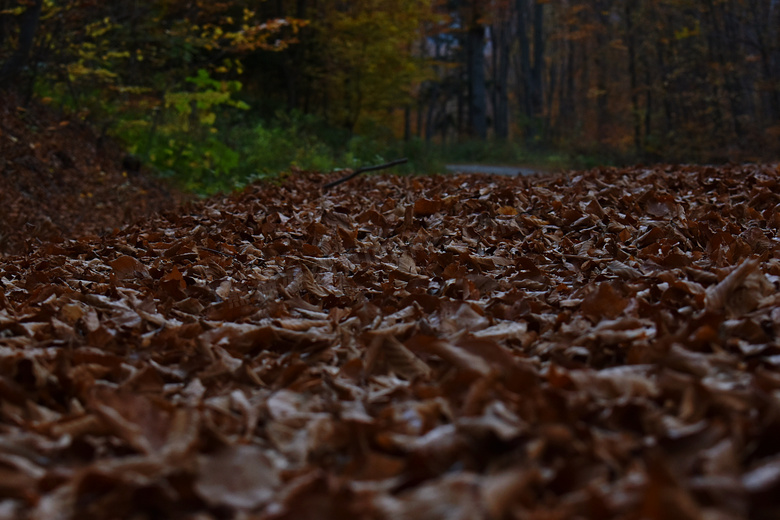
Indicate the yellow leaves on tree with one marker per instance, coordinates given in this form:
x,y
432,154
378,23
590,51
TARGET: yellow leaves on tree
x,y
367,64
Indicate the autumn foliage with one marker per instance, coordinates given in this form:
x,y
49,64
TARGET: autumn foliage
x,y
597,345
683,80
600,344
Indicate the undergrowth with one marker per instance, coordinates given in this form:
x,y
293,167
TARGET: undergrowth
x,y
208,140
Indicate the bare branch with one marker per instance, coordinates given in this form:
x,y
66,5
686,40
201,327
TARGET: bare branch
x,y
363,170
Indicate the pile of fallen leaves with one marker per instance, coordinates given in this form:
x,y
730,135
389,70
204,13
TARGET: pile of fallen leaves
x,y
602,345
59,179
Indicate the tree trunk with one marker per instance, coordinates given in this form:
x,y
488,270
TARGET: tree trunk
x,y
537,70
736,94
531,70
648,100
568,119
669,112
763,23
28,24
462,87
773,60
430,128
632,74
475,48
719,43
525,60
602,48
500,35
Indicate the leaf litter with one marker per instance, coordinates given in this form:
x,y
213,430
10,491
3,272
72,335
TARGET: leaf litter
x,y
59,178
597,345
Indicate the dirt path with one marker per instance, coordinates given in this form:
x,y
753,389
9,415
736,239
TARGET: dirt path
x,y
510,171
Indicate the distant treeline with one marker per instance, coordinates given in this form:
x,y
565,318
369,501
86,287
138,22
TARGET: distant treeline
x,y
671,79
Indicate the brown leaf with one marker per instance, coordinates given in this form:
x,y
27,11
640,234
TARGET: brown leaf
x,y
453,497
426,207
128,267
458,357
603,302
390,354
740,291
242,477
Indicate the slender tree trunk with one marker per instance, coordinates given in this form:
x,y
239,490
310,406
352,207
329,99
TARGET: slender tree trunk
x,y
774,39
602,48
763,21
665,93
461,96
501,50
538,69
569,119
648,100
721,91
736,94
28,25
773,60
547,116
525,59
430,128
632,74
718,42
531,69
493,73
475,48
526,94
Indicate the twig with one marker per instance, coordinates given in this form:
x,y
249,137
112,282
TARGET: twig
x,y
363,170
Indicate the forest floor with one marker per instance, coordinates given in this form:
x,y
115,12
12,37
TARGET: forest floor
x,y
601,344
59,179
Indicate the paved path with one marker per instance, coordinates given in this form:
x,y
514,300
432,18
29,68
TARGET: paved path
x,y
510,171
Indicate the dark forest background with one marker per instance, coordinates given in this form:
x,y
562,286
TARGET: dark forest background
x,y
218,93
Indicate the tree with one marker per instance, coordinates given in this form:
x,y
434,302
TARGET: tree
x,y
472,18
501,47
26,15
530,28
363,65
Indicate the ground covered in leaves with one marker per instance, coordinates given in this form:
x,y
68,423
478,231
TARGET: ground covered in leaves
x,y
59,179
599,345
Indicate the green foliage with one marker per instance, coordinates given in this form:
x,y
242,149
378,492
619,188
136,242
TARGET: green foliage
x,y
182,138
275,147
307,143
208,143
160,75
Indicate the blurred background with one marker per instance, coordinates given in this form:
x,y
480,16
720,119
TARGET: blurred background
x,y
216,94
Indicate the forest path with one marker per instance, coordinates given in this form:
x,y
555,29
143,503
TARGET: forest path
x,y
510,171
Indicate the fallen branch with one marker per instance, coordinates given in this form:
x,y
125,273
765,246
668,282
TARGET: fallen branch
x,y
363,170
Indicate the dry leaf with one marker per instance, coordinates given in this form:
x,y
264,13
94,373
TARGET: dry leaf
x,y
242,477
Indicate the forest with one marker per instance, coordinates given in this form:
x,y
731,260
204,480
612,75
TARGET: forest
x,y
218,93
217,302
